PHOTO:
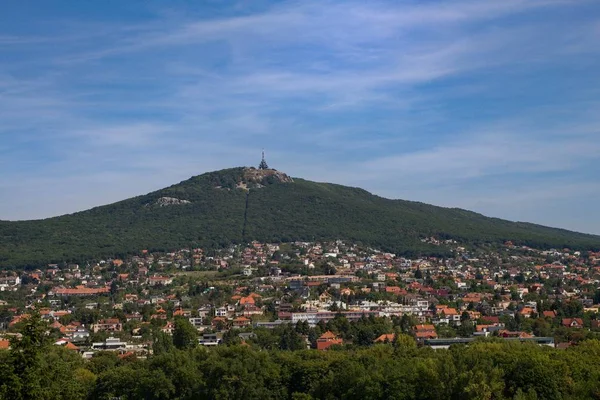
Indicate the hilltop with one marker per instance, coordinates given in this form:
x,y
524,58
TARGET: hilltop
x,y
242,204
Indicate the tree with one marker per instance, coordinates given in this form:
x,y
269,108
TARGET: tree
x,y
402,341
418,274
163,343
290,339
185,336
26,354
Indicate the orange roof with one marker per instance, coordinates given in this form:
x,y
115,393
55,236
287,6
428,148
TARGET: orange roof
x,y
549,314
480,328
328,335
386,336
247,300
71,346
128,354
56,325
82,291
449,311
61,313
426,334
424,327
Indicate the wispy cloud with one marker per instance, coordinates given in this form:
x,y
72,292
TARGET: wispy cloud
x,y
467,99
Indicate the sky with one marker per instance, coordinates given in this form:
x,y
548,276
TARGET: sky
x,y
491,106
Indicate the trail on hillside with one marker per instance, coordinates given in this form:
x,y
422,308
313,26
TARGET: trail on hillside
x,y
245,216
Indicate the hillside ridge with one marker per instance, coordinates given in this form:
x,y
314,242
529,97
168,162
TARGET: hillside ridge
x,y
240,204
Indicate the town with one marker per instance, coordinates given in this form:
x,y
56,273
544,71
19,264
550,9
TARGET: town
x,y
302,295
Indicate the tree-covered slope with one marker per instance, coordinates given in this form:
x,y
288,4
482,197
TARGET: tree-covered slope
x,y
236,205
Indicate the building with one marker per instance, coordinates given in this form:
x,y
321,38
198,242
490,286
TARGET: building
x,y
210,339
425,332
572,322
80,291
110,344
159,280
107,325
327,340
241,322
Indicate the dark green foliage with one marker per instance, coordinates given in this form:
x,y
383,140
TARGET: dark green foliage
x,y
486,369
35,369
185,335
221,214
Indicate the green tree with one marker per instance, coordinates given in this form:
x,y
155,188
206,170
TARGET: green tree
x,y
185,336
162,342
26,359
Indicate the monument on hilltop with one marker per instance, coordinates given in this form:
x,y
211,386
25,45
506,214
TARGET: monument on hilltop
x,y
263,163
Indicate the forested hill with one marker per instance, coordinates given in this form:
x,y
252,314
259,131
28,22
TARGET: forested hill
x,y
242,204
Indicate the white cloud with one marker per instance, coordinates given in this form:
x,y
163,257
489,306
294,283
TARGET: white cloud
x,y
343,92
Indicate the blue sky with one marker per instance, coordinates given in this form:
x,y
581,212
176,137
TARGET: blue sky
x,y
491,106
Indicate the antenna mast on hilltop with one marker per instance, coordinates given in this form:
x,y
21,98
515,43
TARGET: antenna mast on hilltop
x,y
263,163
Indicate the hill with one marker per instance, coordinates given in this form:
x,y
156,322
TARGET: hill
x,y
242,204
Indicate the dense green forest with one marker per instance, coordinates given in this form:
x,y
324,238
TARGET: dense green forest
x,y
35,369
220,214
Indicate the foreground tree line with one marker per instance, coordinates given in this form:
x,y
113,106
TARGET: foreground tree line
x,y
35,369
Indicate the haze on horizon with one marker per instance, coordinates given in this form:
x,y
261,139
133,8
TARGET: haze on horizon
x,y
487,106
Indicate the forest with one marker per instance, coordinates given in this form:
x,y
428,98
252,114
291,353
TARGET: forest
x,y
33,368
219,213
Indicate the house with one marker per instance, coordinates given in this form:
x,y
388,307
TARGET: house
x,y
219,322
425,331
80,334
136,316
572,322
11,282
246,336
210,339
110,344
385,338
204,311
395,290
251,309
526,312
241,322
182,313
487,329
67,345
80,291
490,319
159,314
448,313
107,325
327,340
516,334
168,328
247,300
130,297
159,280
